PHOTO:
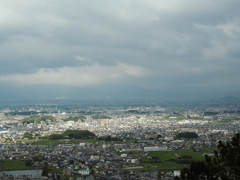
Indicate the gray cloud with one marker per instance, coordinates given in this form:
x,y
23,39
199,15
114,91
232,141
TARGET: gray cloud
x,y
179,42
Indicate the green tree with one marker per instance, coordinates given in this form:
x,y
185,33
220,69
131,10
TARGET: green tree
x,y
159,136
71,161
108,138
28,163
187,135
28,135
45,171
225,165
55,136
36,158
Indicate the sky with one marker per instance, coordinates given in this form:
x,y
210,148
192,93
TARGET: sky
x,y
154,44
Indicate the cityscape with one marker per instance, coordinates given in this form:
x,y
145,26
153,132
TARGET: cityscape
x,y
119,90
150,141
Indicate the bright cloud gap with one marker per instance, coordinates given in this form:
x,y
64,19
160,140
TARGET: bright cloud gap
x,y
79,76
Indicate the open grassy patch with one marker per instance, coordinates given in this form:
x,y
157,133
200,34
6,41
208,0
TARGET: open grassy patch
x,y
163,155
55,170
160,166
175,119
25,140
224,121
72,141
46,142
168,159
13,165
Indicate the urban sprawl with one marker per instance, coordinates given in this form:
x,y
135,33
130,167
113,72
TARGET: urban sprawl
x,y
146,142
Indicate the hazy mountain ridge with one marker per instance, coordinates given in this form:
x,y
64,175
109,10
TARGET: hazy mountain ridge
x,y
35,92
230,98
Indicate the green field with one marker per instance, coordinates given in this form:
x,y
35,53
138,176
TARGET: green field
x,y
74,141
26,140
46,142
223,121
13,165
196,118
55,170
161,166
167,155
177,119
167,158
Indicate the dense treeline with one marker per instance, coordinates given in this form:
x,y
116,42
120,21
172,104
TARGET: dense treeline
x,y
187,135
210,113
72,134
185,157
38,119
137,112
75,118
55,136
28,135
132,111
100,117
181,161
24,113
85,112
224,165
79,134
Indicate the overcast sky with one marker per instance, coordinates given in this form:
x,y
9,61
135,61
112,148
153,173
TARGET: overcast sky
x,y
154,44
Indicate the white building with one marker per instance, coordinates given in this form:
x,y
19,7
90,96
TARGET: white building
x,y
123,155
133,160
177,173
169,138
84,172
94,157
146,149
81,144
70,123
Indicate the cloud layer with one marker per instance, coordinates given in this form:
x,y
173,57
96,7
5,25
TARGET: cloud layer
x,y
79,76
153,44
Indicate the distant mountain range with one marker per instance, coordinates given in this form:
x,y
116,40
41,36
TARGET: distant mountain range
x,y
229,98
38,92
72,92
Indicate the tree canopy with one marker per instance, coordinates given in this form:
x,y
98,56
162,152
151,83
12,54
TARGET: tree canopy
x,y
38,119
28,135
45,171
187,135
73,134
100,117
78,134
225,165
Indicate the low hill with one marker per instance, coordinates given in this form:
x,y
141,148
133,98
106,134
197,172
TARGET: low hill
x,y
73,134
229,98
